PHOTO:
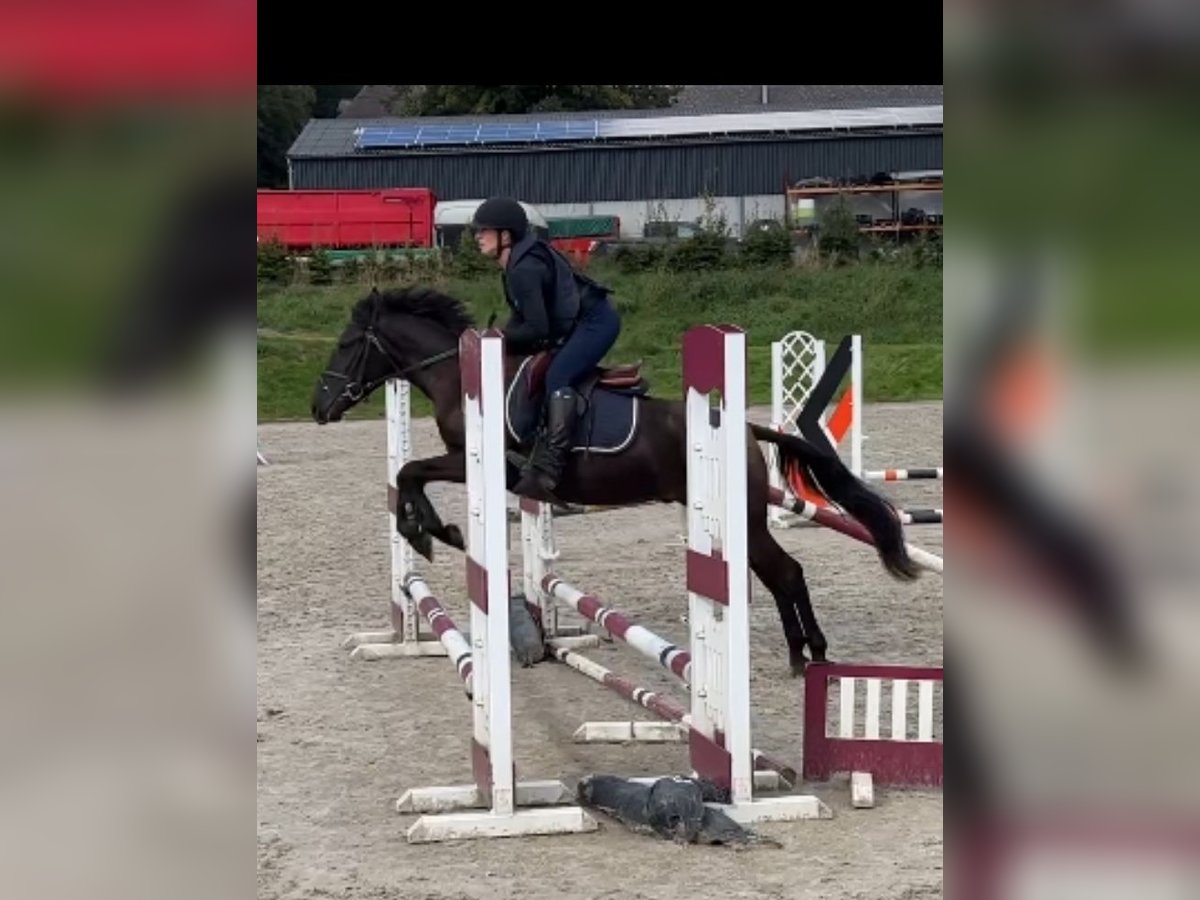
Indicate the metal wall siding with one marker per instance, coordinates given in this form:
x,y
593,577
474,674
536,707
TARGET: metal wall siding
x,y
626,173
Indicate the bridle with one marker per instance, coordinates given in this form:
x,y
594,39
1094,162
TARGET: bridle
x,y
355,389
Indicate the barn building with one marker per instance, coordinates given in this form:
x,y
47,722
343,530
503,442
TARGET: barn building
x,y
735,146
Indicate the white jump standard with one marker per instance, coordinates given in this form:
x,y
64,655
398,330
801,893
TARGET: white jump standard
x,y
404,638
718,578
487,576
717,668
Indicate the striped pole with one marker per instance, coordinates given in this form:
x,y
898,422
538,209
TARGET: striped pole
x,y
920,516
670,656
656,703
903,474
456,644
849,527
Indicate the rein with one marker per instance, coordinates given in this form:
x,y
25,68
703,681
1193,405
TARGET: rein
x,y
355,390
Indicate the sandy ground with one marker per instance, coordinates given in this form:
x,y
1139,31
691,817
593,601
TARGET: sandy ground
x,y
339,740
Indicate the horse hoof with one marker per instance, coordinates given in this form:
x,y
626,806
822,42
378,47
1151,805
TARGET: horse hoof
x,y
423,544
454,537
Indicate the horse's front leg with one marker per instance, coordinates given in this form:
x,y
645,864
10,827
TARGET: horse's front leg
x,y
416,519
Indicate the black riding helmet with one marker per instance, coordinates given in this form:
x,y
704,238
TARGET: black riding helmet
x,y
503,214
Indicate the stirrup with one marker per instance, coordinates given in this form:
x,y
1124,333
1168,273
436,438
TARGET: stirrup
x,y
532,484
541,471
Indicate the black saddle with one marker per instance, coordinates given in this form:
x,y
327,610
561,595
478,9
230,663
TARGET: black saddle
x,y
608,397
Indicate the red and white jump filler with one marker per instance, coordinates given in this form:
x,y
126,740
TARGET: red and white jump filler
x,y
903,755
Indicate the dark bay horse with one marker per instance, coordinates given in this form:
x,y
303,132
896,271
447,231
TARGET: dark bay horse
x,y
413,334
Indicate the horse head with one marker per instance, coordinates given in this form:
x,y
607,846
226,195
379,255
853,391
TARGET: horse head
x,y
391,334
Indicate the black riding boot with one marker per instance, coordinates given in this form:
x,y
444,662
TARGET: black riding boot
x,y
549,456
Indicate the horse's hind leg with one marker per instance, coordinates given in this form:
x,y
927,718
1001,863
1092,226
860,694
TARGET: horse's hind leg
x,y
784,578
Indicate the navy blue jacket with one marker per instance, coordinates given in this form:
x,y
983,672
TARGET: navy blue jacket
x,y
546,295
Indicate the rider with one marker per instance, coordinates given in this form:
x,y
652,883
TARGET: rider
x,y
553,307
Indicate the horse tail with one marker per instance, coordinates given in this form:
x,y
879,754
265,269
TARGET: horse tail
x,y
828,474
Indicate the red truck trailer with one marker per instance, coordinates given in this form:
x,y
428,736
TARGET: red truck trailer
x,y
394,217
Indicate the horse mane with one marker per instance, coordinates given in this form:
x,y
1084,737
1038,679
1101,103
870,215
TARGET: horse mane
x,y
425,303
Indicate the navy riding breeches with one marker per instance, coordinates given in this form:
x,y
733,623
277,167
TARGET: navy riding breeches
x,y
593,337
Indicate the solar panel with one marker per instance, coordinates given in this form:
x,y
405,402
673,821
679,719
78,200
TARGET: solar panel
x,y
368,138
555,130
616,128
564,130
583,129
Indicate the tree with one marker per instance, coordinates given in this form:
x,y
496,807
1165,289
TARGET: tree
x,y
328,96
838,234
283,110
499,99
767,243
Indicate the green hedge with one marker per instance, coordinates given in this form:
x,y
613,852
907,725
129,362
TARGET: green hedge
x,y
897,308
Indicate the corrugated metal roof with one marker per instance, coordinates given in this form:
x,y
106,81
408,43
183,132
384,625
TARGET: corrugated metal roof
x,y
730,98
337,137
